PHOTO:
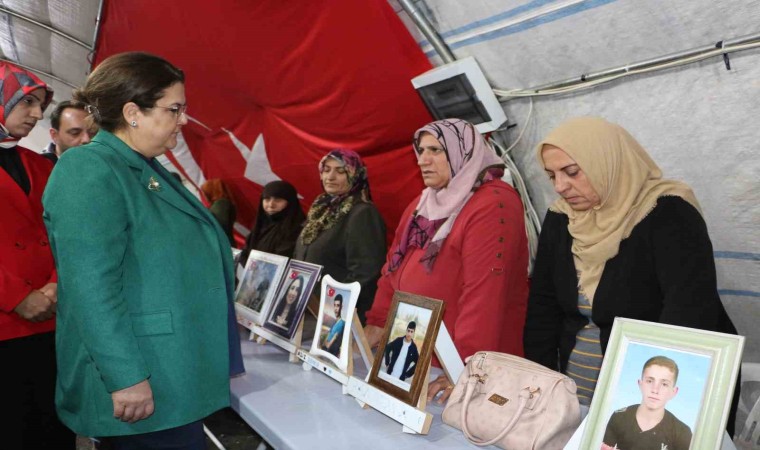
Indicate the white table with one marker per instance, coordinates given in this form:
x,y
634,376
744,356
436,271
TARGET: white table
x,y
296,409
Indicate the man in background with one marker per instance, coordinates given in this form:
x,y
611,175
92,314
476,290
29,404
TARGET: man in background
x,y
69,128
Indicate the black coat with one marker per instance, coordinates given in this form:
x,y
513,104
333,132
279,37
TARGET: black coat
x,y
664,272
392,351
352,250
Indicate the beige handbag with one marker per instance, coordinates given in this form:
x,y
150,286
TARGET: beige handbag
x,y
513,403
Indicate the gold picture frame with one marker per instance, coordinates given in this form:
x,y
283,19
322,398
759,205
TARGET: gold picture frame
x,y
405,382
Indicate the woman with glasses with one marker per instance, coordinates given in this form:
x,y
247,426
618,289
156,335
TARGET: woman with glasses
x,y
146,339
344,232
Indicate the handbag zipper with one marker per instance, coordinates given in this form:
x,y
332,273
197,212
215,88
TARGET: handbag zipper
x,y
519,363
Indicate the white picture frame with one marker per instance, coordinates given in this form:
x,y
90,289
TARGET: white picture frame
x,y
258,285
326,321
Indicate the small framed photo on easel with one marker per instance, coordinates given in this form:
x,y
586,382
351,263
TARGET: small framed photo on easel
x,y
258,286
403,358
286,313
332,337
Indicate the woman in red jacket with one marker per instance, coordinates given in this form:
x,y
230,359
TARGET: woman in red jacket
x,y
27,273
462,241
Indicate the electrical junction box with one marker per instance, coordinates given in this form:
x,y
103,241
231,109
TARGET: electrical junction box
x,y
460,90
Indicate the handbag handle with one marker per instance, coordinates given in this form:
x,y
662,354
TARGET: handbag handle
x,y
524,395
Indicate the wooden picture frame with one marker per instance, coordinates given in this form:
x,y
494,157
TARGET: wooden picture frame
x,y
426,313
690,373
338,349
284,316
257,287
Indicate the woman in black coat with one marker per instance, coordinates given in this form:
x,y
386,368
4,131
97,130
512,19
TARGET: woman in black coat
x,y
278,222
620,242
344,231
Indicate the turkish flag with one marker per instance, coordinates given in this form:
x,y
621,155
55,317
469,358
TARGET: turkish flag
x,y
272,86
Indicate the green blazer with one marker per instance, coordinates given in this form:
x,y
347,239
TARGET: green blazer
x,y
145,275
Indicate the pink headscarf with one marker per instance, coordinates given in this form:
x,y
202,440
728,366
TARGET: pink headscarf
x,y
472,163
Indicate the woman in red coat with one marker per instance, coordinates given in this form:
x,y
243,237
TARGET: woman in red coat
x,y
462,241
28,288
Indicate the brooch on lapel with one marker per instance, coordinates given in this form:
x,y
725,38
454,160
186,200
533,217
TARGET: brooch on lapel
x,y
154,185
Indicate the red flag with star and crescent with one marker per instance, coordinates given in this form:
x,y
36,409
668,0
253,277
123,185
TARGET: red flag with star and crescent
x,y
272,86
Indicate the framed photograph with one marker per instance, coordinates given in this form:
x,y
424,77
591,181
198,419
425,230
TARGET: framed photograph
x,y
291,298
258,285
403,356
663,386
336,313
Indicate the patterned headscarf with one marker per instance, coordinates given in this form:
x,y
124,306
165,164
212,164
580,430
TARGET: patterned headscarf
x,y
15,83
628,182
327,210
472,163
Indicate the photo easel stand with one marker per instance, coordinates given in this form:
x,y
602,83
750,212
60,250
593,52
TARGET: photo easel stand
x,y
291,346
255,337
361,342
414,419
310,361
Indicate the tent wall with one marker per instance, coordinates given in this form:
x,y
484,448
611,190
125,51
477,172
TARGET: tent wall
x,y
699,122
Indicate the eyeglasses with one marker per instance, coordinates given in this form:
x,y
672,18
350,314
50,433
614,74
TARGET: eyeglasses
x,y
177,110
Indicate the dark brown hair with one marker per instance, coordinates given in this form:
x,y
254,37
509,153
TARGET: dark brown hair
x,y
55,116
134,77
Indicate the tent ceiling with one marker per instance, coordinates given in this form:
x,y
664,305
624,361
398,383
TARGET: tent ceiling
x,y
55,38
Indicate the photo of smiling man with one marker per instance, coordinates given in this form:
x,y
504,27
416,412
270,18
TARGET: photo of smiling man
x,y
649,425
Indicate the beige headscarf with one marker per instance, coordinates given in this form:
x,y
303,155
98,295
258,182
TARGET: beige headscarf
x,y
628,183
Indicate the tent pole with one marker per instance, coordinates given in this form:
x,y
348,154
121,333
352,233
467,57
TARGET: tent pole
x,y
41,72
672,57
96,33
428,31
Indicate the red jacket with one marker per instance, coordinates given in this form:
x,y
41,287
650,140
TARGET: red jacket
x,y
26,262
481,273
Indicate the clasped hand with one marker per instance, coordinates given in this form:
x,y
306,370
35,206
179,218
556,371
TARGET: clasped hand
x,y
40,304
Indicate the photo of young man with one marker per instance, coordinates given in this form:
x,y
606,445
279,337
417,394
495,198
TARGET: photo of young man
x,y
402,354
649,425
334,338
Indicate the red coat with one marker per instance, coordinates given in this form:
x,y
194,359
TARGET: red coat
x,y
26,262
481,273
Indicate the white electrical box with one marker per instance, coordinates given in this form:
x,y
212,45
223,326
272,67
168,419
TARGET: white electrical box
x,y
460,90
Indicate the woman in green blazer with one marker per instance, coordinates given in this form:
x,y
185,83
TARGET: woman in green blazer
x,y
145,274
